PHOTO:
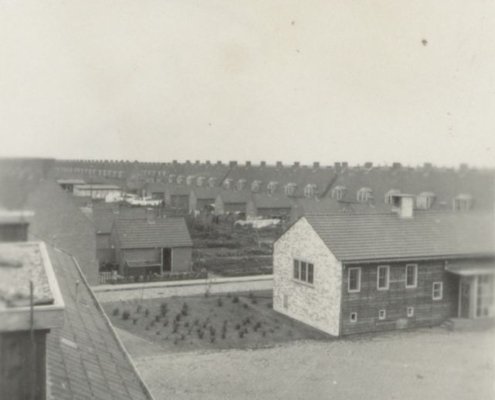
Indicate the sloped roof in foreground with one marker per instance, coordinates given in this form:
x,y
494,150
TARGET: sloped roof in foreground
x,y
385,236
85,359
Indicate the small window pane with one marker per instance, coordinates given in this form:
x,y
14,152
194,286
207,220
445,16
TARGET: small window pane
x,y
353,317
354,279
310,273
303,271
296,269
382,277
411,275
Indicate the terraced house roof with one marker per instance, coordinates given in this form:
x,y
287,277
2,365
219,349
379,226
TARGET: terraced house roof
x,y
266,201
162,232
385,236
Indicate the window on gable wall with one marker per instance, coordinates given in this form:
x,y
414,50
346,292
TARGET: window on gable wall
x,y
389,194
463,202
303,271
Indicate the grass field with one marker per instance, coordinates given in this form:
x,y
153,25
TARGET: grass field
x,y
214,322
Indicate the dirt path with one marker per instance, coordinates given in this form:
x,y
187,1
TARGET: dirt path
x,y
409,365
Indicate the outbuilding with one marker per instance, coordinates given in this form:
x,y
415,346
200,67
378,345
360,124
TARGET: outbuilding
x,y
152,246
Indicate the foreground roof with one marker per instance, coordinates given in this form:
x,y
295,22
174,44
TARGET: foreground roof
x,y
103,217
385,236
85,359
162,232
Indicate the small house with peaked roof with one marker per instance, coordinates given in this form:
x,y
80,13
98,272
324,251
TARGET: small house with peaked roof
x,y
347,273
151,246
202,198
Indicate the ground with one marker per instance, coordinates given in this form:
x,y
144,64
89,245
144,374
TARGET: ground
x,y
423,364
240,320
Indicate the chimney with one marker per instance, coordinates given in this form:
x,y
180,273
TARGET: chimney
x,y
345,164
403,205
396,165
233,163
219,162
196,162
208,162
316,164
279,164
427,165
248,163
368,165
31,306
14,225
263,163
296,164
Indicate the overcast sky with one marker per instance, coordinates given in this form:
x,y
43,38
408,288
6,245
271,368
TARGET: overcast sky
x,y
289,80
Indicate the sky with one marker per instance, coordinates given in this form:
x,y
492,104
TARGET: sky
x,y
273,80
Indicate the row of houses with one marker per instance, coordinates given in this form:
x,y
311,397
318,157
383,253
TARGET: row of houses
x,y
462,188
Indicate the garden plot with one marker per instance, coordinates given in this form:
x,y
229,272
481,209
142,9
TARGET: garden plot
x,y
212,322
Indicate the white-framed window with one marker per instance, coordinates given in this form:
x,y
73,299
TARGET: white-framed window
x,y
364,194
353,317
303,271
425,200
272,187
411,275
290,189
382,277
437,291
255,186
410,312
382,314
389,194
338,192
463,202
310,190
354,279
241,184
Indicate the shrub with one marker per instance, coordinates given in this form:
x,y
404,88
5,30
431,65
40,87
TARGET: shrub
x,y
237,327
200,334
241,334
125,315
229,295
115,312
212,339
186,324
196,322
254,301
185,309
139,308
176,341
235,299
224,334
263,333
245,306
269,305
165,322
134,321
182,337
147,328
157,318
219,302
177,317
146,312
157,332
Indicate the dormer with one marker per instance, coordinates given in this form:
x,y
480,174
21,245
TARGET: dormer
x,y
463,202
364,195
425,200
338,192
190,180
171,178
181,179
290,189
389,194
200,181
241,184
212,181
403,205
255,186
310,190
272,187
227,183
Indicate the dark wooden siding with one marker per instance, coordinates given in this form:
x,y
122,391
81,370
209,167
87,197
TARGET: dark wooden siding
x,y
395,300
22,369
13,232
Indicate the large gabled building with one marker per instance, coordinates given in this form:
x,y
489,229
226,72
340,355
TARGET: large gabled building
x,y
347,273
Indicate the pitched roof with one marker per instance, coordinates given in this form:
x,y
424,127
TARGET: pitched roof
x,y
384,236
163,232
177,190
85,359
103,217
267,201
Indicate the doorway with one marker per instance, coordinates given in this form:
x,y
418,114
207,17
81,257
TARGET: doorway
x,y
167,260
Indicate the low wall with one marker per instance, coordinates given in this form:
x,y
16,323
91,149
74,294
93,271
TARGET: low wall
x,y
135,291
